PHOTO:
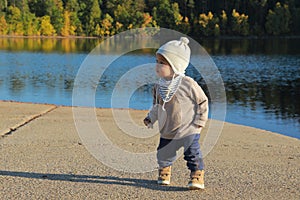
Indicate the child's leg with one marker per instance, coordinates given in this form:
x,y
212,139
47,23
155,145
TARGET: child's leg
x,y
194,159
166,152
192,153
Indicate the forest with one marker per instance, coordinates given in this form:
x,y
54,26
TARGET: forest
x,y
102,18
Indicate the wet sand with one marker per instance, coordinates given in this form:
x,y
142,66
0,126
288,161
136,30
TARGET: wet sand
x,y
42,157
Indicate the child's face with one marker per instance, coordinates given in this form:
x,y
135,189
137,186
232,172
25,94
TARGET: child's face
x,y
163,68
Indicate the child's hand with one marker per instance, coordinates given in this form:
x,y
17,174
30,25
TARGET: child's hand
x,y
147,121
197,126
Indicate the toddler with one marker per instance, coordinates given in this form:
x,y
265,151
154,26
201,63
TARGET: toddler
x,y
181,109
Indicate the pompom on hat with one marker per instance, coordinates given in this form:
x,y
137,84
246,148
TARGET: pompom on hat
x,y
177,53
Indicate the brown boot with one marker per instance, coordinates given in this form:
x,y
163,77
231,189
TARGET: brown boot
x,y
164,176
196,180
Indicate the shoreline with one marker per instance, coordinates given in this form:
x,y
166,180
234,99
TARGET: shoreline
x,y
224,37
131,109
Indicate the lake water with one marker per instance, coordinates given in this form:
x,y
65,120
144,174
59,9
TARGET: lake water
x,y
261,76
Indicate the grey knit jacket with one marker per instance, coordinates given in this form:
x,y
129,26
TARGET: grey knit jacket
x,y
185,114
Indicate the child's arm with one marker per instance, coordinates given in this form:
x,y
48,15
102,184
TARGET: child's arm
x,y
152,115
202,105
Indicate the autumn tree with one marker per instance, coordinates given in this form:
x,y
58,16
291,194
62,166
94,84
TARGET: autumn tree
x,y
208,24
72,8
127,13
52,8
107,28
239,23
66,29
46,28
98,17
3,26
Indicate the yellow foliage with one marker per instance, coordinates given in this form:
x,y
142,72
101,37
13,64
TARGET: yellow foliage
x,y
66,28
130,26
235,14
46,27
210,16
119,25
177,15
48,44
3,26
240,23
224,15
147,20
186,20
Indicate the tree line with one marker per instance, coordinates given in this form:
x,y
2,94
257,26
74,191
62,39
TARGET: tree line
x,y
108,17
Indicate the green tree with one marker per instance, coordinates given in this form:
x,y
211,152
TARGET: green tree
x,y
139,5
129,13
164,14
149,5
55,11
208,24
21,4
278,21
38,7
94,17
97,31
295,21
258,11
14,20
223,22
167,15
3,5
122,15
239,23
31,24
89,14
191,7
294,6
71,5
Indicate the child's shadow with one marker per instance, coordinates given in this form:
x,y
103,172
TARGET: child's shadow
x,y
108,180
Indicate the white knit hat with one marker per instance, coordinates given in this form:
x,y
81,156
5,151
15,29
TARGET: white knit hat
x,y
177,53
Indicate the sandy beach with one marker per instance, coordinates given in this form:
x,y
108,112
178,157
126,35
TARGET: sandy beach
x,y
42,157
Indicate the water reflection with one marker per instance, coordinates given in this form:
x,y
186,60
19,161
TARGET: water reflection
x,y
16,83
64,45
262,77
274,81
69,45
266,46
